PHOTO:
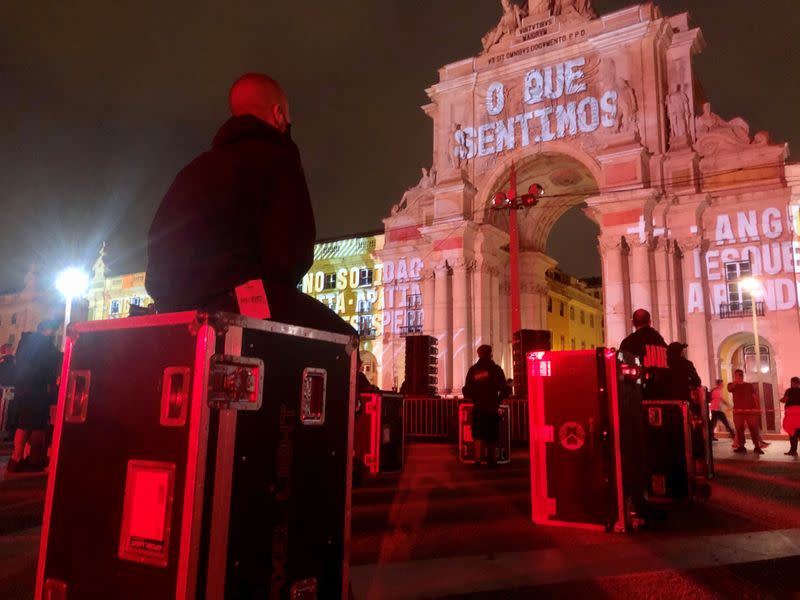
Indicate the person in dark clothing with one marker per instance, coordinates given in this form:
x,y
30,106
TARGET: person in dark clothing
x,y
486,386
238,217
34,391
646,343
7,365
683,376
791,415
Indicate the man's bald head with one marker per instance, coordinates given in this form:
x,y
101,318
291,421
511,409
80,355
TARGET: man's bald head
x,y
641,318
260,96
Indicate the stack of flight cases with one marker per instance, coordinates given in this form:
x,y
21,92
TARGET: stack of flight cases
x,y
200,456
466,443
378,436
678,466
586,439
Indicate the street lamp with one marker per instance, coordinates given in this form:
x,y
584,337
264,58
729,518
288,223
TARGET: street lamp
x,y
752,286
72,283
513,203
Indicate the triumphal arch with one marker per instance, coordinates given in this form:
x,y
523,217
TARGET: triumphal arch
x,y
605,112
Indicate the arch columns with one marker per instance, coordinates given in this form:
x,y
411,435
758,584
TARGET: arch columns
x,y
462,331
641,277
700,350
428,300
442,326
615,309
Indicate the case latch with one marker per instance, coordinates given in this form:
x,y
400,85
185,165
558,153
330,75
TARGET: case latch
x,y
235,382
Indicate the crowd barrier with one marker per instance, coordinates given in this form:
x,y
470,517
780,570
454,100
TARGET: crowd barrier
x,y
436,419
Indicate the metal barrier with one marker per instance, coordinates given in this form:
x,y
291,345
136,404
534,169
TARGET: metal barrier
x,y
431,419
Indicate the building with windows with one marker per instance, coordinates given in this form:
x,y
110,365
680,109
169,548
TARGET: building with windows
x,y
574,313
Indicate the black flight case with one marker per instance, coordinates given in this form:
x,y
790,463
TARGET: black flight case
x,y
200,456
378,438
586,439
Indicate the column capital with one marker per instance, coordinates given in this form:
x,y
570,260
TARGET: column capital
x,y
426,273
609,243
690,243
442,269
462,264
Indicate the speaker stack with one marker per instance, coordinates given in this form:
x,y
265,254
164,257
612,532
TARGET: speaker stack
x,y
524,341
421,365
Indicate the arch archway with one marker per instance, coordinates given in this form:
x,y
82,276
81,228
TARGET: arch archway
x,y
736,352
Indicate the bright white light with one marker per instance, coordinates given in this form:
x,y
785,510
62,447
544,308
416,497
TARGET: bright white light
x,y
752,286
72,282
765,369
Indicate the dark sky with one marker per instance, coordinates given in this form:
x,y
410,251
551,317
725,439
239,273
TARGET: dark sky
x,y
102,102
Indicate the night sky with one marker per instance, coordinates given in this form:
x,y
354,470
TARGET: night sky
x,y
102,103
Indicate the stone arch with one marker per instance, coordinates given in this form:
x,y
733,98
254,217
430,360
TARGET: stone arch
x,y
568,176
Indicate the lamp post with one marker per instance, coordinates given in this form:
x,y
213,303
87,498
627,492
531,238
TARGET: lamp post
x,y
513,203
72,283
752,286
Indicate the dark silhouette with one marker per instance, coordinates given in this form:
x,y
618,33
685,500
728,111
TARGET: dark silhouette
x,y
486,386
646,343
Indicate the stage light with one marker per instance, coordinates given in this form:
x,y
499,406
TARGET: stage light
x,y
72,283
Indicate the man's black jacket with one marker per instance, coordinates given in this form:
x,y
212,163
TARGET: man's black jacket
x,y
485,385
650,347
238,212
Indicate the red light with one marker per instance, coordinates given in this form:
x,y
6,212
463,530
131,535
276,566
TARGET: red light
x,y
631,372
500,200
539,367
535,190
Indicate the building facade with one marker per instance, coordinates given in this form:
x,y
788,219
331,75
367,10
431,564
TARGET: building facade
x,y
605,112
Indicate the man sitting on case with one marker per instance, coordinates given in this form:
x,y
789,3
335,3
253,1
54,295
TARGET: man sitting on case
x,y
235,232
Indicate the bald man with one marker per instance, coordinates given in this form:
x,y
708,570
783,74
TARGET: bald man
x,y
239,216
646,343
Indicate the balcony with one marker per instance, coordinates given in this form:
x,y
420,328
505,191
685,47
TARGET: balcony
x,y
738,310
410,330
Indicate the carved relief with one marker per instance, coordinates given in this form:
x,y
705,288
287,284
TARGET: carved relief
x,y
715,134
582,7
627,108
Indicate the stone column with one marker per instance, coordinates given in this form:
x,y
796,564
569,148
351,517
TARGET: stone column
x,y
442,322
641,280
462,332
481,303
428,300
697,323
664,289
614,308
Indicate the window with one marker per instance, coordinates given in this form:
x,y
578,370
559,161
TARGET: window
x,y
330,281
583,318
572,313
136,301
114,307
561,309
549,304
734,273
572,343
364,306
14,319
563,347
364,277
591,320
583,344
365,328
12,338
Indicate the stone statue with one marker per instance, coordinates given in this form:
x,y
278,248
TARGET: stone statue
x,y
709,122
536,7
507,26
582,7
678,113
457,153
627,107
426,182
99,268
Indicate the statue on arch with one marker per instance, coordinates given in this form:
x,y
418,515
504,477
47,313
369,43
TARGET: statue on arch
x,y
508,25
582,7
627,107
99,267
678,113
536,7
457,150
709,122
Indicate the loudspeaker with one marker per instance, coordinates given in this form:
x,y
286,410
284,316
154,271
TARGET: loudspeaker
x,y
421,365
524,341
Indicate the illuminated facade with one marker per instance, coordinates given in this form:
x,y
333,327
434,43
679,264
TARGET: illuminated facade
x,y
606,113
23,310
